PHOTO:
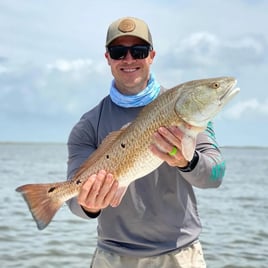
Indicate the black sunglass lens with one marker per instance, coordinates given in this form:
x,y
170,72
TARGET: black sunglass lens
x,y
118,52
139,52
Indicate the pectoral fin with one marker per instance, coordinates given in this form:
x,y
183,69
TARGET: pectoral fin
x,y
188,144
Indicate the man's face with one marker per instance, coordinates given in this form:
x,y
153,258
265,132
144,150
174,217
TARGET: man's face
x,y
131,75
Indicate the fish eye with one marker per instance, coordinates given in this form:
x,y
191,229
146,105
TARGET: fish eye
x,y
216,85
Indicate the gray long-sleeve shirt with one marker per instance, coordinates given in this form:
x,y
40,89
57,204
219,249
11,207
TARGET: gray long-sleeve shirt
x,y
158,213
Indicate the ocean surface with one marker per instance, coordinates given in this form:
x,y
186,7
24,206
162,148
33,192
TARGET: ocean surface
x,y
234,216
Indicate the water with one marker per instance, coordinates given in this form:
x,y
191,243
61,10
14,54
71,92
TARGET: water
x,y
234,216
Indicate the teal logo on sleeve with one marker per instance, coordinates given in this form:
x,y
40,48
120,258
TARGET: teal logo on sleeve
x,y
218,171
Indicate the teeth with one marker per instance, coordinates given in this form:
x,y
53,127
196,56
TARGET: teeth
x,y
129,70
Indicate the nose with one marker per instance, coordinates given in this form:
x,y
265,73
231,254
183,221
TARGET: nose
x,y
129,57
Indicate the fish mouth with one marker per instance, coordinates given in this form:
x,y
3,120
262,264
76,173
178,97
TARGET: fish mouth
x,y
229,93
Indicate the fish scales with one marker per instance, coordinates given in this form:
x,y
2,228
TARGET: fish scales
x,y
126,153
129,157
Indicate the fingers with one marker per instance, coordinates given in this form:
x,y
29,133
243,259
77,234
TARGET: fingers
x,y
98,191
165,139
107,192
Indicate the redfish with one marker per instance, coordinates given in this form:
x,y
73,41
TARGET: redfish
x,y
126,153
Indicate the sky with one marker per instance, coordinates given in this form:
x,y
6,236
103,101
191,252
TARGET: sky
x,y
52,65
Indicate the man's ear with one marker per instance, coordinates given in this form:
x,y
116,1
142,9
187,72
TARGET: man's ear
x,y
152,55
106,54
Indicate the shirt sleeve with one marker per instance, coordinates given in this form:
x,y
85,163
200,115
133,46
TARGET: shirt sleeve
x,y
81,144
210,168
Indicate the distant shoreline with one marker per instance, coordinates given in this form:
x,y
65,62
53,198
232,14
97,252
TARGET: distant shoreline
x,y
244,147
33,142
65,143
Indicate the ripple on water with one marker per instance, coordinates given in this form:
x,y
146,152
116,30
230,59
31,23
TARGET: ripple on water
x,y
234,217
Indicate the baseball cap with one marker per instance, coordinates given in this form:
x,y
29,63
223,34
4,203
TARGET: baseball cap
x,y
129,26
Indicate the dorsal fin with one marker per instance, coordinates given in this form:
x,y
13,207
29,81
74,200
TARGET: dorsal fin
x,y
109,140
101,150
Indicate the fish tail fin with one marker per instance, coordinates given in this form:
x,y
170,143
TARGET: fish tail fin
x,y
41,202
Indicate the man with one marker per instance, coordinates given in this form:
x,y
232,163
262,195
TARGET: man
x,y
157,222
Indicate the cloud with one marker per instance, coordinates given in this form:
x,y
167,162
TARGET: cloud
x,y
251,108
208,50
3,59
68,66
62,88
3,69
3,62
52,64
248,49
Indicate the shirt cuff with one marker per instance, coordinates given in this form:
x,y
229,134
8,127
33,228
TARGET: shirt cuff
x,y
191,165
91,214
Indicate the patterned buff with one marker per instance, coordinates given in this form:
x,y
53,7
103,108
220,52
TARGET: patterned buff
x,y
141,99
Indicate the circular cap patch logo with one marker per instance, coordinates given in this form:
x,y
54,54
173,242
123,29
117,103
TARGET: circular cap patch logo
x,y
127,25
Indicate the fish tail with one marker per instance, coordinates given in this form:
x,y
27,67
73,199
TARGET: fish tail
x,y
41,202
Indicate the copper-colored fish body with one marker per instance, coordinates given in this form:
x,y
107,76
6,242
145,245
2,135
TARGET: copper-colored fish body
x,y
126,153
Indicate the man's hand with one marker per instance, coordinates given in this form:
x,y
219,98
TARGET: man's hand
x,y
100,189
98,192
165,139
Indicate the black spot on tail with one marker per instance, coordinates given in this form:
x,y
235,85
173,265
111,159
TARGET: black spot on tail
x,y
123,145
51,189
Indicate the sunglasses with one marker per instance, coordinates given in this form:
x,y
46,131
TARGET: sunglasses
x,y
137,52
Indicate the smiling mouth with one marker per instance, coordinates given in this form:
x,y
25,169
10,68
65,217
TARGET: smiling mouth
x,y
129,70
